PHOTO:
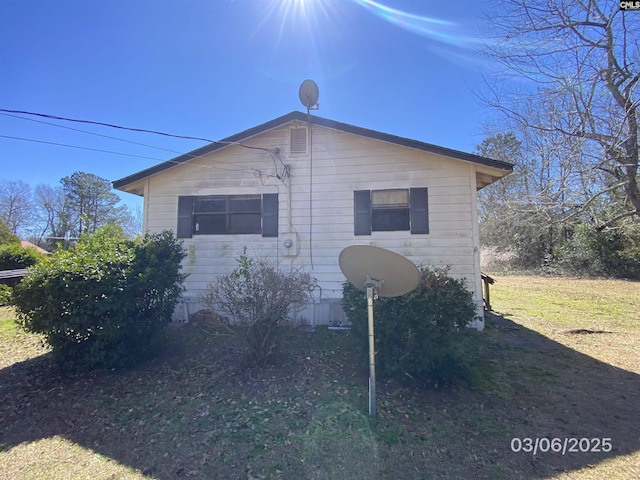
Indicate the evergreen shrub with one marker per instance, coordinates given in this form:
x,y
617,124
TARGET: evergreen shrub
x,y
419,337
5,295
13,256
105,302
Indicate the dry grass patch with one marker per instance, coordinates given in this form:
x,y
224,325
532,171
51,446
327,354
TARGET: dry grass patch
x,y
623,467
57,458
600,318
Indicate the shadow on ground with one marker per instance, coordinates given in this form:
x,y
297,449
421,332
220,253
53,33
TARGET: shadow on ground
x,y
556,392
179,416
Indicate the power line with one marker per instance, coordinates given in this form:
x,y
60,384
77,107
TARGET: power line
x,y
132,129
103,124
232,168
219,167
272,152
90,133
79,147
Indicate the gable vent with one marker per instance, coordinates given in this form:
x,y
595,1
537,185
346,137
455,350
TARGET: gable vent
x,y
298,141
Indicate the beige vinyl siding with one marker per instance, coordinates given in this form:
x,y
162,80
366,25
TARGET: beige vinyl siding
x,y
342,163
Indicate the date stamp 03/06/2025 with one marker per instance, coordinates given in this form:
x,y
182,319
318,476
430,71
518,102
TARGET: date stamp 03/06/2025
x,y
562,446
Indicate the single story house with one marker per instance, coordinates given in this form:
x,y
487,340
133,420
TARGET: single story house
x,y
300,188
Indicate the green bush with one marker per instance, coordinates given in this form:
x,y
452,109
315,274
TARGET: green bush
x,y
104,302
252,304
14,256
419,336
5,295
609,253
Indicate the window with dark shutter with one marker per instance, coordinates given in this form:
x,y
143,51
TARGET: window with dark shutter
x,y
391,210
419,210
270,215
185,217
362,212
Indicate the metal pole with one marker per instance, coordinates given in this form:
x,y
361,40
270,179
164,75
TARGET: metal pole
x,y
372,355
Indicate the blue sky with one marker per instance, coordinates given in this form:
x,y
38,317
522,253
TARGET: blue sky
x,y
216,67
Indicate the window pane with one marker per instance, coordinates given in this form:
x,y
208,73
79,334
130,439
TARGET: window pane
x,y
245,223
386,220
227,214
210,224
390,198
245,203
210,204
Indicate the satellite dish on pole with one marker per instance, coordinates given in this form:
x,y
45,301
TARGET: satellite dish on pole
x,y
380,273
397,274
309,94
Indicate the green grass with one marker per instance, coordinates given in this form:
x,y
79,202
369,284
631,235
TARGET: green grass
x,y
568,301
193,413
8,326
556,307
15,344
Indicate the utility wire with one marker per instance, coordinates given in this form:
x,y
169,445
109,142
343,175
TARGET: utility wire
x,y
79,147
132,129
110,125
89,133
215,167
232,168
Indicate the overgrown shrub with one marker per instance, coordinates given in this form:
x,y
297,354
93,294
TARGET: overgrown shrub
x,y
5,295
528,238
253,303
14,256
104,302
610,253
418,336
553,247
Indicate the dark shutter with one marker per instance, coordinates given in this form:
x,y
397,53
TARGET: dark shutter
x,y
419,210
270,215
362,212
185,217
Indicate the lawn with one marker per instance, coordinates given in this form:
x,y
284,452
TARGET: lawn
x,y
570,310
562,363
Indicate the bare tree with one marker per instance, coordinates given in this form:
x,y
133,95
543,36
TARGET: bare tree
x,y
494,199
574,68
517,214
131,220
16,207
49,202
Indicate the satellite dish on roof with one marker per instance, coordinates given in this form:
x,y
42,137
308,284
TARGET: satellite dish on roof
x,y
309,94
382,273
